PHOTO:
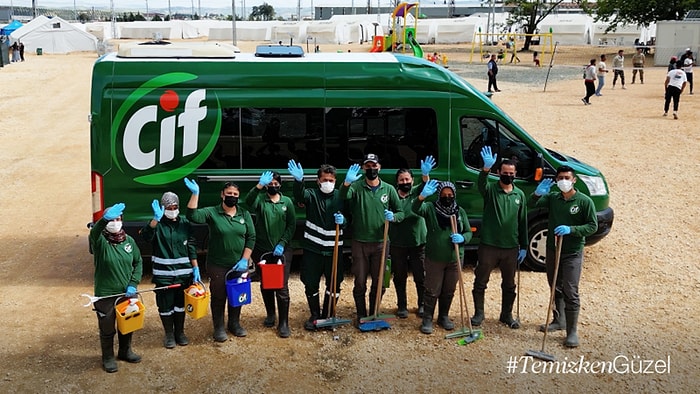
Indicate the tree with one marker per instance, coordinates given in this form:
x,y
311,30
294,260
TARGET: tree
x,y
529,13
264,12
157,18
83,17
638,12
139,17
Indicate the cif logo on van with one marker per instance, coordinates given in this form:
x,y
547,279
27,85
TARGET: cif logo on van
x,y
156,130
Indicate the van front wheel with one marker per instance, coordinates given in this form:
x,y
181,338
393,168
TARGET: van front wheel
x,y
537,245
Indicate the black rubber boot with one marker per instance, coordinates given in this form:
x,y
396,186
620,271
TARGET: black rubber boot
x,y
559,319
180,337
268,297
444,313
428,309
125,353
283,326
571,323
372,300
314,310
326,311
421,309
478,317
401,302
168,326
217,314
360,306
234,322
109,364
506,317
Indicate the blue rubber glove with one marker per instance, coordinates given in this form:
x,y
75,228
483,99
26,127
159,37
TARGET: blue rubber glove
x,y
158,210
195,274
339,218
130,291
279,250
521,255
241,265
427,165
265,178
114,211
388,215
457,238
544,186
488,158
295,170
192,185
353,173
562,230
429,189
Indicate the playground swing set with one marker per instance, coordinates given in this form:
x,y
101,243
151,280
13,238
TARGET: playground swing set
x,y
543,40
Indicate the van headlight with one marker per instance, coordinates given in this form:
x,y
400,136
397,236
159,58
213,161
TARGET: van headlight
x,y
595,184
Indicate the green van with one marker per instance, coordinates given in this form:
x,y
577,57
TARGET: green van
x,y
160,113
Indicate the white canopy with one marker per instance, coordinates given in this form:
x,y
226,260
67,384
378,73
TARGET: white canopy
x,y
54,35
569,29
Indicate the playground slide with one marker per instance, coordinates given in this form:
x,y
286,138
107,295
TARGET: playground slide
x,y
417,50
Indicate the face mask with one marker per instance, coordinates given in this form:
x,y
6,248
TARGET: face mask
x,y
171,213
327,187
273,190
405,187
507,179
372,173
446,201
230,201
114,226
565,185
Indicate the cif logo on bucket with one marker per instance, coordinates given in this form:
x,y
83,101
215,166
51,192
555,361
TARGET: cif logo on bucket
x,y
243,298
156,131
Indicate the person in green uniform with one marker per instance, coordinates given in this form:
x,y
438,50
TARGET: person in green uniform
x,y
231,242
323,212
572,216
275,222
408,239
441,268
371,203
174,260
118,269
503,237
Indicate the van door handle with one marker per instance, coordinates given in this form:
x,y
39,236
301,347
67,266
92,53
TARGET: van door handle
x,y
465,184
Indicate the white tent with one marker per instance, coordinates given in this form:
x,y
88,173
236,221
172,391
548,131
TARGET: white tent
x,y
168,30
622,35
456,30
569,29
54,35
673,37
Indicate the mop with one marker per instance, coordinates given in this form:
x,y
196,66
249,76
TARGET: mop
x,y
466,333
377,321
333,321
93,299
541,354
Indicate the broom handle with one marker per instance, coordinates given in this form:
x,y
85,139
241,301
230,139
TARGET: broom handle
x,y
462,296
382,266
517,307
558,241
334,270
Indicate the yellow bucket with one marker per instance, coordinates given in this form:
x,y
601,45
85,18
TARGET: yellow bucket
x,y
131,322
196,305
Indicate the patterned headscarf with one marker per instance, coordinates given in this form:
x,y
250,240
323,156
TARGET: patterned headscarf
x,y
169,198
444,212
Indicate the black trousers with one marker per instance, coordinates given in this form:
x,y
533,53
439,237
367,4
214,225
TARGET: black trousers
x,y
590,89
621,74
689,77
674,93
492,82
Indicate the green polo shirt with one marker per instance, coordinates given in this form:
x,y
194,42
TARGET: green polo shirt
x,y
275,222
439,246
116,265
228,235
578,212
504,224
367,209
411,230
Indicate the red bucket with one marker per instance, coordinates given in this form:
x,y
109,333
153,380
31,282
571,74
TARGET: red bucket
x,y
272,273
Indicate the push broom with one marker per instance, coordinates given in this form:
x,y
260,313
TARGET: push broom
x,y
466,334
377,321
541,354
333,321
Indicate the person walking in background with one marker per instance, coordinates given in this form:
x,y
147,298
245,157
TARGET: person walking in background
x,y
118,269
619,68
589,82
602,69
688,64
21,51
672,64
638,65
15,52
536,58
674,84
492,72
174,259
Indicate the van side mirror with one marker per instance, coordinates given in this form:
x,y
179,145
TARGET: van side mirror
x,y
539,168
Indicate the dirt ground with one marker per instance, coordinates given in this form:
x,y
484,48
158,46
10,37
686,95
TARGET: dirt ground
x,y
639,289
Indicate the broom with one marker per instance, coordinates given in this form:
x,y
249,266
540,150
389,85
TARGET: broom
x,y
377,321
333,321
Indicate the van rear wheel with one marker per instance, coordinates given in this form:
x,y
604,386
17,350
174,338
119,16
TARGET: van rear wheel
x,y
537,246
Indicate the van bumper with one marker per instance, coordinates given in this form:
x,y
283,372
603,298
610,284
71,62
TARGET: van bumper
x,y
605,222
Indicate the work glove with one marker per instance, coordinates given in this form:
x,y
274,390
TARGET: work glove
x,y
279,250
457,238
295,170
114,211
353,173
388,215
562,230
241,265
195,274
429,189
193,186
265,178
339,218
544,186
488,158
158,210
427,165
521,255
130,291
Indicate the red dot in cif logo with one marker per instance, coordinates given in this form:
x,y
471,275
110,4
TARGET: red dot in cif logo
x,y
169,100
